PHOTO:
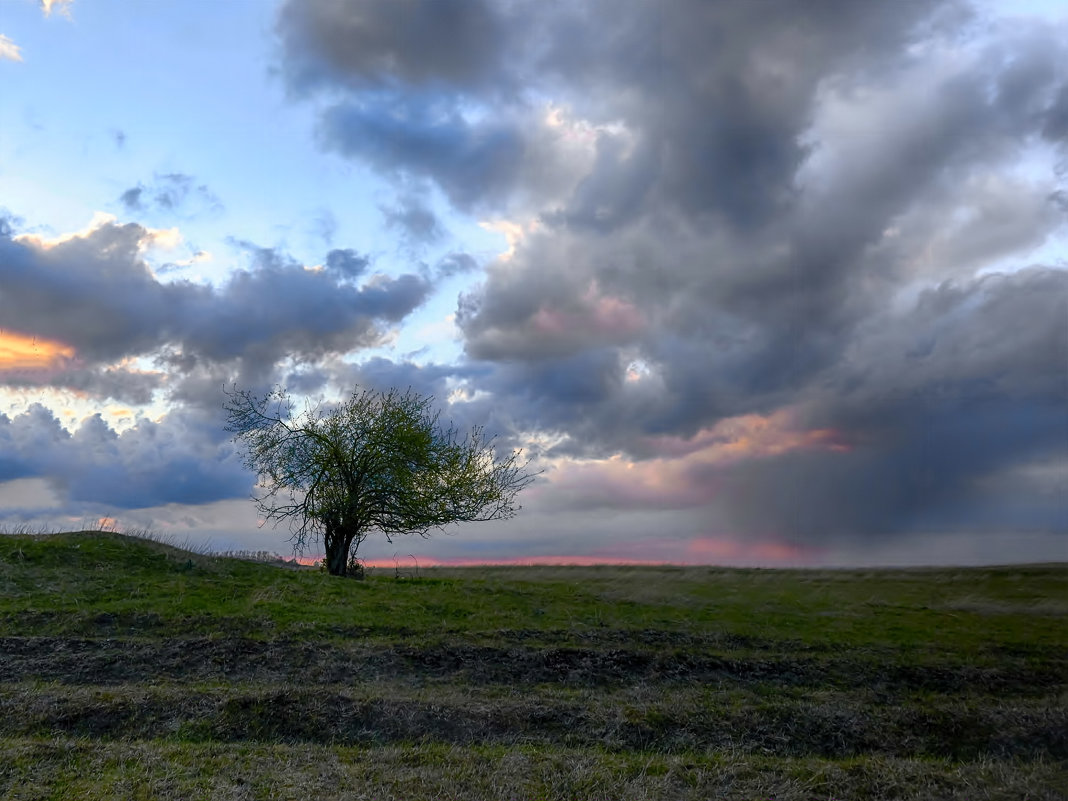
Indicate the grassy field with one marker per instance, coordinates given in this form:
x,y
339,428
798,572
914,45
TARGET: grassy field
x,y
131,669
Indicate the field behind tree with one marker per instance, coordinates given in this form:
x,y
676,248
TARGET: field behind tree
x,y
132,669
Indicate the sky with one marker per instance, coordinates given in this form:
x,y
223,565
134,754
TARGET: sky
x,y
750,282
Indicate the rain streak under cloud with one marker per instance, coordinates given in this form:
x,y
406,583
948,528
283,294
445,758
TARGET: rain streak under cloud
x,y
753,283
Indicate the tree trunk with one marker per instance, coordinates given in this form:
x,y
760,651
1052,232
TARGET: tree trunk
x,y
337,556
338,541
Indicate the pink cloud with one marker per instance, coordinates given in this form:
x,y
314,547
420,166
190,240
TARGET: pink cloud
x,y
597,316
684,472
748,436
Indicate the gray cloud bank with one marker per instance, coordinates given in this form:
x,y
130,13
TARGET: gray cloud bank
x,y
177,461
96,293
737,208
125,334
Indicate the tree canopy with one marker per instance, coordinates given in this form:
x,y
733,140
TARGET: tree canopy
x,y
377,461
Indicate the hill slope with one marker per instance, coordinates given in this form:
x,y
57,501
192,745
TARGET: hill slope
x,y
134,669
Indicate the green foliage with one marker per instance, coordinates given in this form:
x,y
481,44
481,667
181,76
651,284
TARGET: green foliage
x,y
375,462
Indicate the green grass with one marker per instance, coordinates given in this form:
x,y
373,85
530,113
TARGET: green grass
x,y
132,669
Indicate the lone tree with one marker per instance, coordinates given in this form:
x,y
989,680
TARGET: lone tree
x,y
375,462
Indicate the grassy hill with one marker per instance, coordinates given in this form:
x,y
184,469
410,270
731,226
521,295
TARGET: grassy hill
x,y
131,669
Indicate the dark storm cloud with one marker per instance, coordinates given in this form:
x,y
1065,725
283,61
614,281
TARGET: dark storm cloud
x,y
737,321
951,418
934,406
743,208
824,264
371,45
95,293
425,136
713,94
182,459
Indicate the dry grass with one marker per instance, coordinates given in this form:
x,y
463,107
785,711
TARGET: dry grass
x,y
65,768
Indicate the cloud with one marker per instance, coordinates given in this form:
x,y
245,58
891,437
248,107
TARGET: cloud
x,y
679,473
936,405
424,136
346,263
414,220
62,6
9,50
456,263
774,280
19,352
34,362
572,318
27,498
438,91
120,382
369,45
702,129
183,459
131,198
170,193
92,301
723,211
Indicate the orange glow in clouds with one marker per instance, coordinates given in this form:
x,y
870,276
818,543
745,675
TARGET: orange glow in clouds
x,y
749,436
667,478
19,352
